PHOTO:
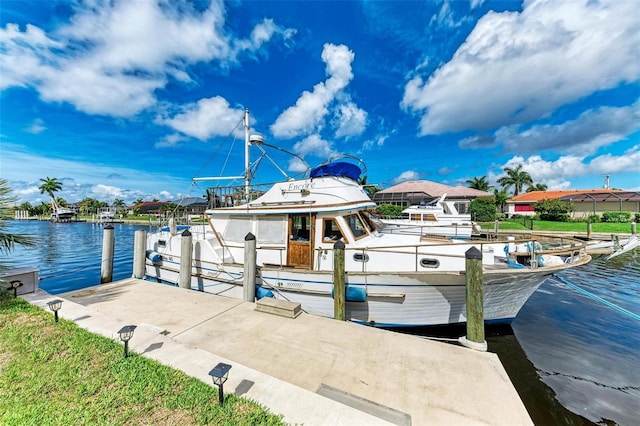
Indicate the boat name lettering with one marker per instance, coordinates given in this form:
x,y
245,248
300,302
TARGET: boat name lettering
x,y
301,186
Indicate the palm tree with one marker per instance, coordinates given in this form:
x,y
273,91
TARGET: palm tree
x,y
515,177
51,185
479,183
537,187
118,202
368,188
501,197
8,240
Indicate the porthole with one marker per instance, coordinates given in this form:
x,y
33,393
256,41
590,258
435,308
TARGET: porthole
x,y
429,263
361,257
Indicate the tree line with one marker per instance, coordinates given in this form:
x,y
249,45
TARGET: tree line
x,y
86,206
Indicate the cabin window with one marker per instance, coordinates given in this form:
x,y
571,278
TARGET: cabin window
x,y
356,226
237,229
373,222
162,243
361,257
300,228
330,231
430,217
463,208
271,230
429,263
415,217
365,218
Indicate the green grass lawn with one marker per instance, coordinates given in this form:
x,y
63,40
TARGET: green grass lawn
x,y
59,374
541,225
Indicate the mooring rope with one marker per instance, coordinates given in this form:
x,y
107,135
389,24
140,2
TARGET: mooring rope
x,y
598,298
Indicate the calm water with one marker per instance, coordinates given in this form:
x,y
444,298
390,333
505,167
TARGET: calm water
x,y
573,355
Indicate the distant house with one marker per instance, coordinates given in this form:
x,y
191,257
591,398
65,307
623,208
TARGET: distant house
x,y
151,207
585,201
415,192
192,205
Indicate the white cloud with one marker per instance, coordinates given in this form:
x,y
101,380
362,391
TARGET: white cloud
x,y
517,67
628,162
314,145
557,174
592,130
112,55
349,120
405,176
308,114
376,142
476,3
169,141
204,119
37,126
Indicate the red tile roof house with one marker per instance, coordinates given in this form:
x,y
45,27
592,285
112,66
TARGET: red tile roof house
x,y
585,201
414,192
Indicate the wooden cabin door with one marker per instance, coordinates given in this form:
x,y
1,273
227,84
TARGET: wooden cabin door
x,y
300,243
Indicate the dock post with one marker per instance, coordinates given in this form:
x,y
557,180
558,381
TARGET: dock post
x,y
633,228
106,268
186,250
496,227
475,301
249,282
589,230
139,250
339,289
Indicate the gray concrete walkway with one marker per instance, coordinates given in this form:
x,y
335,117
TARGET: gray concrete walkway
x,y
312,370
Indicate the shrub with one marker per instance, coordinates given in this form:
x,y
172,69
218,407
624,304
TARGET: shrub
x,y
553,209
593,218
389,210
483,209
616,217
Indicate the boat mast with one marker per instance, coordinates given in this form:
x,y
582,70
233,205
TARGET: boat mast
x,y
247,173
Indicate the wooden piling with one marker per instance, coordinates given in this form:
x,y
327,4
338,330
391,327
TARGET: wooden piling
x,y
139,251
339,289
633,228
249,282
106,266
589,230
475,301
186,250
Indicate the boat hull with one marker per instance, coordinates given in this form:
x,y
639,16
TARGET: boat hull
x,y
390,299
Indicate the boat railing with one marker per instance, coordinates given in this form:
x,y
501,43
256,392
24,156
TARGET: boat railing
x,y
540,245
234,195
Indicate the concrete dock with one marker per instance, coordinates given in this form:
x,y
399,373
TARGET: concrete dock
x,y
312,370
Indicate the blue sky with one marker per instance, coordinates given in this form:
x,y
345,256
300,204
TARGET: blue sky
x,y
132,99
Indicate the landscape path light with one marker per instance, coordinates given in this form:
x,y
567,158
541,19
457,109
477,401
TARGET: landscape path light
x,y
220,374
126,333
55,306
14,286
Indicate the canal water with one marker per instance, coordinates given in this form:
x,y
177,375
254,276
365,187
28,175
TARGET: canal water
x,y
573,352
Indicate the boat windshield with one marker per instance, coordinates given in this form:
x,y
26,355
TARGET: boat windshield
x,y
357,225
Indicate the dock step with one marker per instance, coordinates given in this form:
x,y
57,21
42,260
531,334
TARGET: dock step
x,y
282,308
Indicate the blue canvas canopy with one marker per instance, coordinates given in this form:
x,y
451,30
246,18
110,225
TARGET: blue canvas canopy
x,y
338,168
